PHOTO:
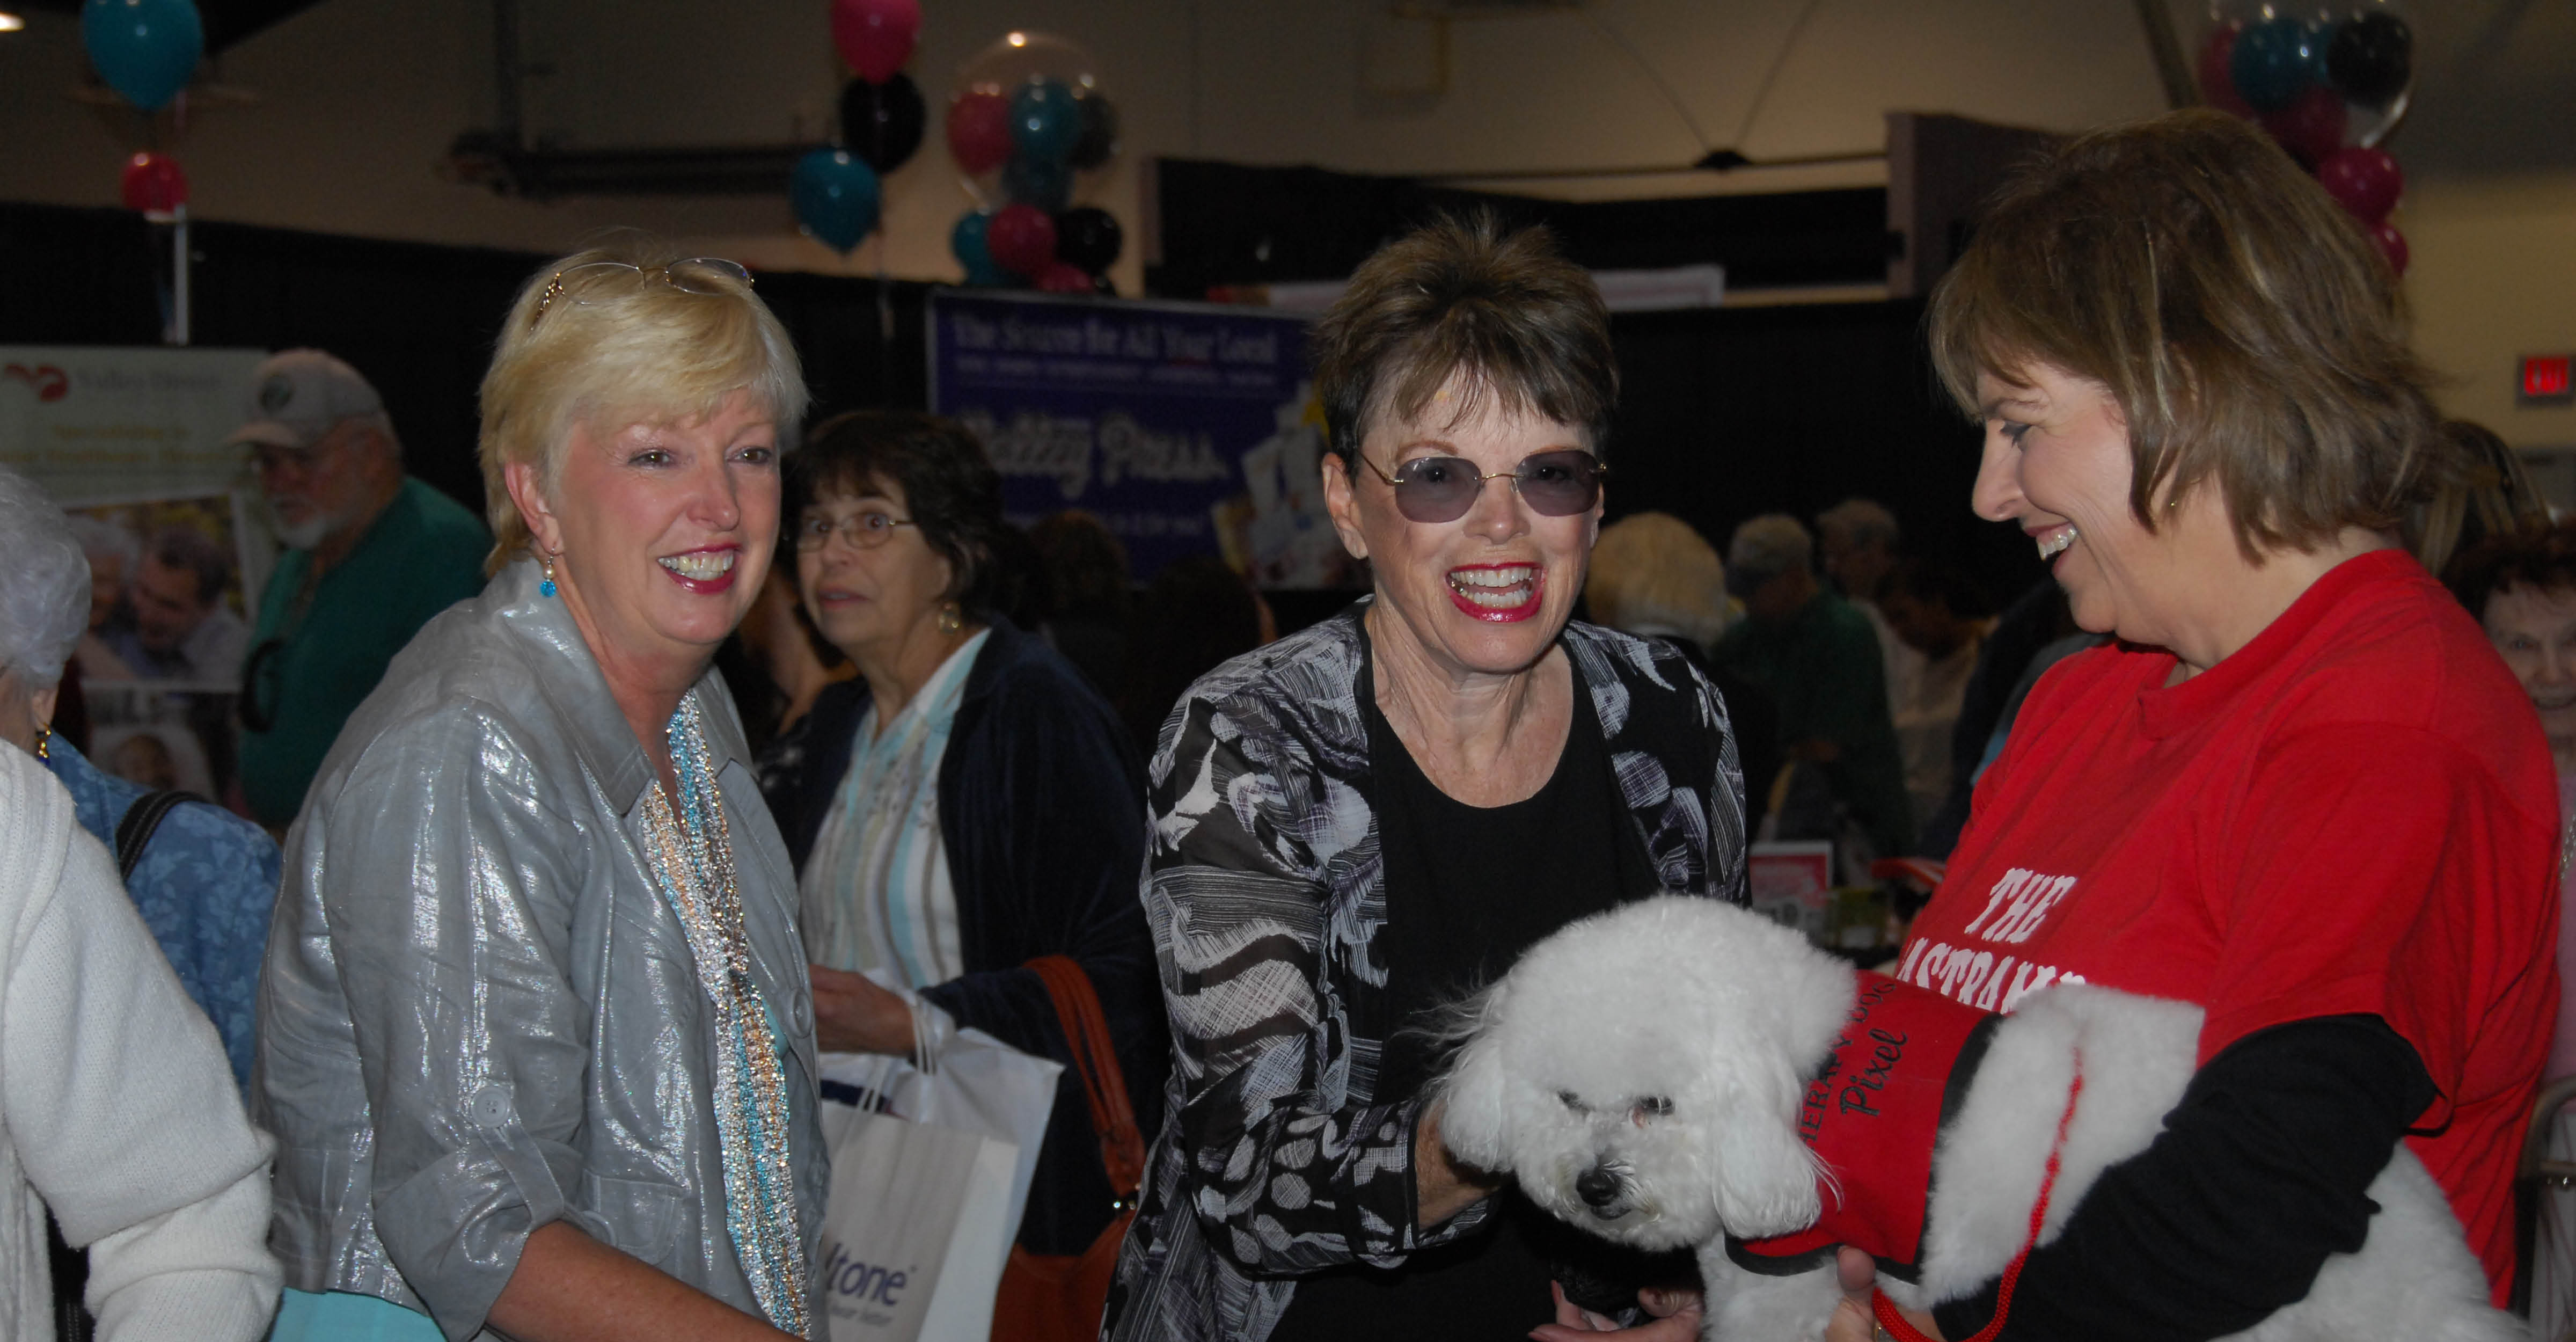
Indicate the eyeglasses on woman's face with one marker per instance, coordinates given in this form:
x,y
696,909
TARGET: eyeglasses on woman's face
x,y
712,275
1442,489
862,528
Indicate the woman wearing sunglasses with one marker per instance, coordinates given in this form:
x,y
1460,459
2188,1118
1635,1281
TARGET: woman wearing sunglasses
x,y
535,1036
1354,825
966,805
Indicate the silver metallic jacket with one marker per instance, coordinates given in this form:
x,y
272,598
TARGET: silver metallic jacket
x,y
478,1015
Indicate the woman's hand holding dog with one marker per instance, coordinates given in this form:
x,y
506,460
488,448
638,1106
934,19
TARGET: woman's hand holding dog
x,y
1852,1321
1676,1314
1441,1189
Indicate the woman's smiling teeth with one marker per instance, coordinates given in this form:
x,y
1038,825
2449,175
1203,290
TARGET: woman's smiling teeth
x,y
2054,542
700,565
1495,588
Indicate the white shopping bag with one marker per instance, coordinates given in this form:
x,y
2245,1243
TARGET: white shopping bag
x,y
930,1172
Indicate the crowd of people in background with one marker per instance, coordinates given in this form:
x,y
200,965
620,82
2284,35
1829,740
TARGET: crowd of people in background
x,y
495,999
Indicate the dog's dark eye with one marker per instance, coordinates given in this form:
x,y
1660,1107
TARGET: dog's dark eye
x,y
1655,1106
1573,1102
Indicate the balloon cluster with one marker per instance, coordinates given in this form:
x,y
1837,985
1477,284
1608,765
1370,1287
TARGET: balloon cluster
x,y
2328,84
1026,120
835,189
147,51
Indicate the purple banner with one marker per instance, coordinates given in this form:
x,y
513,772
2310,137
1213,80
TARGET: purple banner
x,y
1187,429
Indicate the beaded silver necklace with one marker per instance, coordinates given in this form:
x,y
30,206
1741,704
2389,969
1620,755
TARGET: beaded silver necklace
x,y
692,862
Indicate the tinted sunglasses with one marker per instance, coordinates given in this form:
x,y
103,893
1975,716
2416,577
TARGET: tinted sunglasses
x,y
1442,489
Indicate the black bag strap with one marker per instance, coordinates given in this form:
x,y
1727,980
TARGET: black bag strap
x,y
143,817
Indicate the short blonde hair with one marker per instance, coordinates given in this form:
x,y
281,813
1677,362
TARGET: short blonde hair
x,y
610,333
2249,331
1653,574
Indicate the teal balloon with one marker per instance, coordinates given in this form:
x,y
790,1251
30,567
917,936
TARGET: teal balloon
x,y
146,50
835,196
2275,61
1044,182
1045,120
967,242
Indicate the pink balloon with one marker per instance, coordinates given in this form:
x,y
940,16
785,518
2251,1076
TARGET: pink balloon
x,y
2311,128
2364,181
876,36
1064,277
2392,244
2217,80
979,131
1021,239
154,184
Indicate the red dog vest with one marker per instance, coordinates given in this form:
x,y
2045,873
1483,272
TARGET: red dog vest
x,y
1899,1069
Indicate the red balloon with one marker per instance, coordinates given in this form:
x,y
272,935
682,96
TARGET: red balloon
x,y
2392,244
979,131
2364,181
1021,239
1064,277
2311,128
2217,82
876,36
154,184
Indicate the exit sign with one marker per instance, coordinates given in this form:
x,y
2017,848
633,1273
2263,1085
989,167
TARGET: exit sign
x,y
2546,380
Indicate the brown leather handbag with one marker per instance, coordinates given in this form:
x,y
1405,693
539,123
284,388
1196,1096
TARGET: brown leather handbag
x,y
1059,1297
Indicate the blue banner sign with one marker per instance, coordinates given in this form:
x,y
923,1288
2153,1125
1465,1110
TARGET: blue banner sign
x,y
1187,429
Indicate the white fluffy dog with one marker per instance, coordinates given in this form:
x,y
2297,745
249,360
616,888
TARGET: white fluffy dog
x,y
1644,1074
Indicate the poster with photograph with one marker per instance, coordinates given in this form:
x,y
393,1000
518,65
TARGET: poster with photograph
x,y
168,629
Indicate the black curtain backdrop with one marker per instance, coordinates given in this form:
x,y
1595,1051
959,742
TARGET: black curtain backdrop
x,y
1233,224
1725,413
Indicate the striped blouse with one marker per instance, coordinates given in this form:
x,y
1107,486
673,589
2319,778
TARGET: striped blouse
x,y
876,890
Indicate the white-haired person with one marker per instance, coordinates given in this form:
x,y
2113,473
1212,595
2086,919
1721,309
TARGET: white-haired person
x,y
1356,823
535,1033
116,1111
1655,576
2299,790
202,878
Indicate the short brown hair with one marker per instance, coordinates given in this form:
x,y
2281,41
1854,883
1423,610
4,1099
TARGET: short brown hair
x,y
2247,329
949,486
2541,557
1460,297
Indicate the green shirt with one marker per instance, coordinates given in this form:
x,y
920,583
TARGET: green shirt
x,y
421,555
1823,666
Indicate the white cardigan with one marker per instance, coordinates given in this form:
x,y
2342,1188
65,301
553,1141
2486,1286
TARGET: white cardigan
x,y
116,1107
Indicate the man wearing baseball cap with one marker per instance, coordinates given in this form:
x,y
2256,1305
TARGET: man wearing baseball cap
x,y
371,555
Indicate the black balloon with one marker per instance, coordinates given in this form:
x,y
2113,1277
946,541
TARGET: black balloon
x,y
1099,138
1088,237
881,123
1104,286
2370,58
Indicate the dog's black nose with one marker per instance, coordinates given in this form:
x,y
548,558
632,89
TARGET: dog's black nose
x,y
1597,1187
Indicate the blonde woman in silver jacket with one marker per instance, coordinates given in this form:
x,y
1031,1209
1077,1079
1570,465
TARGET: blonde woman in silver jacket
x,y
535,1031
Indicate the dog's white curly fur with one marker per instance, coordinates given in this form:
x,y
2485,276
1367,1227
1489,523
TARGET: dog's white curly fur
x,y
1660,1049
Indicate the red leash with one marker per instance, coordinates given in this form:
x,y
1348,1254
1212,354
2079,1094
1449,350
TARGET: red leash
x,y
1895,1323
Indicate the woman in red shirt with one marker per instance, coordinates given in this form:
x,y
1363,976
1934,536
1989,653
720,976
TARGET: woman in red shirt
x,y
2298,788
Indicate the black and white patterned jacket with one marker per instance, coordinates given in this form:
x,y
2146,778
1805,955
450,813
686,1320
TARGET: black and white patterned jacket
x,y
1266,896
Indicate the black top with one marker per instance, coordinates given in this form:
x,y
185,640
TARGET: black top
x,y
1468,888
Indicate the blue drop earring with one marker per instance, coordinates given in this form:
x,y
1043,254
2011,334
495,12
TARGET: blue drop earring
x,y
547,587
